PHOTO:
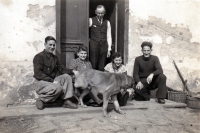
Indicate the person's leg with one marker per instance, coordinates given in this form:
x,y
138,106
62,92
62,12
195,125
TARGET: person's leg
x,y
47,91
103,55
65,81
160,83
94,53
142,95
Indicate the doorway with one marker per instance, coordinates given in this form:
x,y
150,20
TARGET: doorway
x,y
72,25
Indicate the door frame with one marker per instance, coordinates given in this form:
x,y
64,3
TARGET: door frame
x,y
126,29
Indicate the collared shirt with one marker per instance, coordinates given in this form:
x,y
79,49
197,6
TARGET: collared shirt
x,y
80,65
109,67
47,66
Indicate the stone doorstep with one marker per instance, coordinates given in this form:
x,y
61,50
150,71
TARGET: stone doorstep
x,y
31,110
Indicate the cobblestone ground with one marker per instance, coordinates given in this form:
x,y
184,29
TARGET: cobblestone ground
x,y
137,121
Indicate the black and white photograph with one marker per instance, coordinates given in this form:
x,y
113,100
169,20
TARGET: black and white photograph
x,y
99,66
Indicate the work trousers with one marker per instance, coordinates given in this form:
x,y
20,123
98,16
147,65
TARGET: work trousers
x,y
157,82
98,54
49,92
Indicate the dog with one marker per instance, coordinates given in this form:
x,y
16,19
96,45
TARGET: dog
x,y
108,84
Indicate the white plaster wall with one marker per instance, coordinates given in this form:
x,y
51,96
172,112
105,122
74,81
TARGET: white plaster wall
x,y
173,27
23,27
23,36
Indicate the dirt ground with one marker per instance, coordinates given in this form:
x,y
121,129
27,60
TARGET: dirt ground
x,y
172,120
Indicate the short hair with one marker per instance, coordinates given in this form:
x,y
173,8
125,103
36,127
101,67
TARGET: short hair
x,y
147,44
100,6
48,38
81,48
116,55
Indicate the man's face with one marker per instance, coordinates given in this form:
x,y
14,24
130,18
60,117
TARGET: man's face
x,y
146,50
100,12
118,61
50,46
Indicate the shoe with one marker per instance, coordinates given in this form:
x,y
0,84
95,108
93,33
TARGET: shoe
x,y
39,104
94,104
161,100
69,104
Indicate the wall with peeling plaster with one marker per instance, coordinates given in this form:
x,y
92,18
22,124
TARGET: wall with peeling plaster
x,y
24,25
173,28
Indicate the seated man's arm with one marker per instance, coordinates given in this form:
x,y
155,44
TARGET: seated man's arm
x,y
136,75
38,69
136,71
158,67
63,69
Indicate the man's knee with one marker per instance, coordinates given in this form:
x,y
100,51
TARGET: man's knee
x,y
58,88
65,77
162,77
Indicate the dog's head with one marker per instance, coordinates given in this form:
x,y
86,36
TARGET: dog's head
x,y
130,82
80,80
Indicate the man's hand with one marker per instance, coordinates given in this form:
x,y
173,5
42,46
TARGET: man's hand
x,y
149,78
108,54
139,86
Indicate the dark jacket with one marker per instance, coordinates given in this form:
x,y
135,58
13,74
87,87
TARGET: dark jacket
x,y
47,66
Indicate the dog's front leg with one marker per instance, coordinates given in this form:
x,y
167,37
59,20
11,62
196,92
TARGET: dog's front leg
x,y
116,104
85,92
105,105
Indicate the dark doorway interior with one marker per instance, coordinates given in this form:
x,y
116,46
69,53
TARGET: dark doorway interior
x,y
72,25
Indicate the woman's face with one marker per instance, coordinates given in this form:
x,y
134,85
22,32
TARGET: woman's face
x,y
118,61
82,55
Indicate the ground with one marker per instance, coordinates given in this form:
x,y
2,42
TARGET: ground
x,y
140,117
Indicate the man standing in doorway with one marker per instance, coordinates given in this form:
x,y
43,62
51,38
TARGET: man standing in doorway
x,y
52,79
100,39
148,75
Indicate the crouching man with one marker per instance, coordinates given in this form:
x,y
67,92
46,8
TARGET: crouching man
x,y
148,75
51,77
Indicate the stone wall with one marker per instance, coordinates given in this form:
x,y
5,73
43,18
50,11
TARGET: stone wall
x,y
24,25
173,28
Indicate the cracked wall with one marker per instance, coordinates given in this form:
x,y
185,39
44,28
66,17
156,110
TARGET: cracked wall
x,y
173,28
24,25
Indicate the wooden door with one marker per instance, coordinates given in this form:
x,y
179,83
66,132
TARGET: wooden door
x,y
71,27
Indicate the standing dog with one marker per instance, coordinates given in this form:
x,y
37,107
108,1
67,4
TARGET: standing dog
x,y
108,84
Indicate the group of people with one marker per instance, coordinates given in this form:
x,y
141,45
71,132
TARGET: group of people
x,y
54,80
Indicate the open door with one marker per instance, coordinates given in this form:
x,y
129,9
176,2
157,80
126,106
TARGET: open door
x,y
71,27
116,14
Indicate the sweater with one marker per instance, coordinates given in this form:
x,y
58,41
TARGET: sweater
x,y
143,67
